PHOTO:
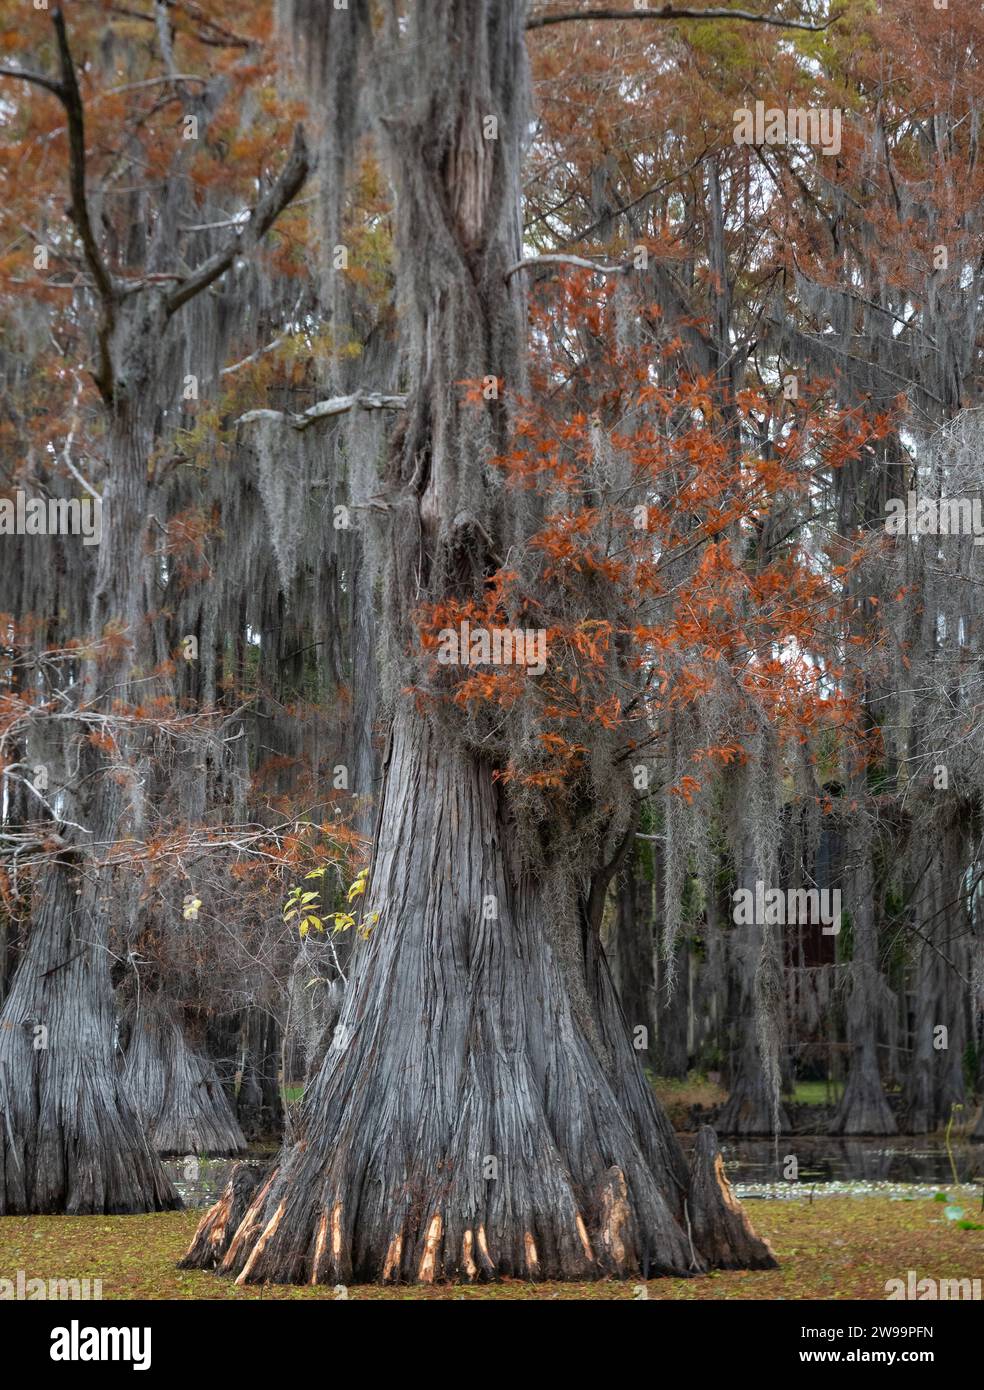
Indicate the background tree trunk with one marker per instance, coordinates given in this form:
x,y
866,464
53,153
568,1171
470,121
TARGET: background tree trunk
x,y
863,1107
70,1136
632,961
259,1105
176,1089
934,1080
750,1107
73,1139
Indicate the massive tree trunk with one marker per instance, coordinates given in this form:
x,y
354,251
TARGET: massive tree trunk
x,y
480,1112
462,1122
70,1136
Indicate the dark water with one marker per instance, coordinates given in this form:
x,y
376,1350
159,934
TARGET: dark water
x,y
200,1180
856,1167
904,1167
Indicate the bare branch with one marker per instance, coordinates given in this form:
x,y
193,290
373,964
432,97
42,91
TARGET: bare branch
x,y
556,258
156,82
239,218
261,219
668,12
67,92
71,99
219,38
226,37
70,440
361,400
163,24
39,80
323,410
267,347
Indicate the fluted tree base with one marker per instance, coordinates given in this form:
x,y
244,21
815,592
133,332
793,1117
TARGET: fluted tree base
x,y
176,1089
71,1140
481,1113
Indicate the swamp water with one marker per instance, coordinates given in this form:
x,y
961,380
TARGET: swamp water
x,y
900,1166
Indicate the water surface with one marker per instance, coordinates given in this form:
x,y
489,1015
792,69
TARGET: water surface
x,y
757,1168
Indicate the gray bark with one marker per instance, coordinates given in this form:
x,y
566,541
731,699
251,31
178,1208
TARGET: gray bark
x,y
72,1139
176,1089
631,950
863,1107
468,1120
934,1081
750,1107
718,1223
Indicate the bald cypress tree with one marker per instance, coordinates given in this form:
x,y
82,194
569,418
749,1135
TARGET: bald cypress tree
x,y
71,1137
481,1111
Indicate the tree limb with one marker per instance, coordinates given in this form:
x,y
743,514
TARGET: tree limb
x,y
156,82
67,92
71,99
163,24
556,258
39,80
323,410
261,219
668,12
254,356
